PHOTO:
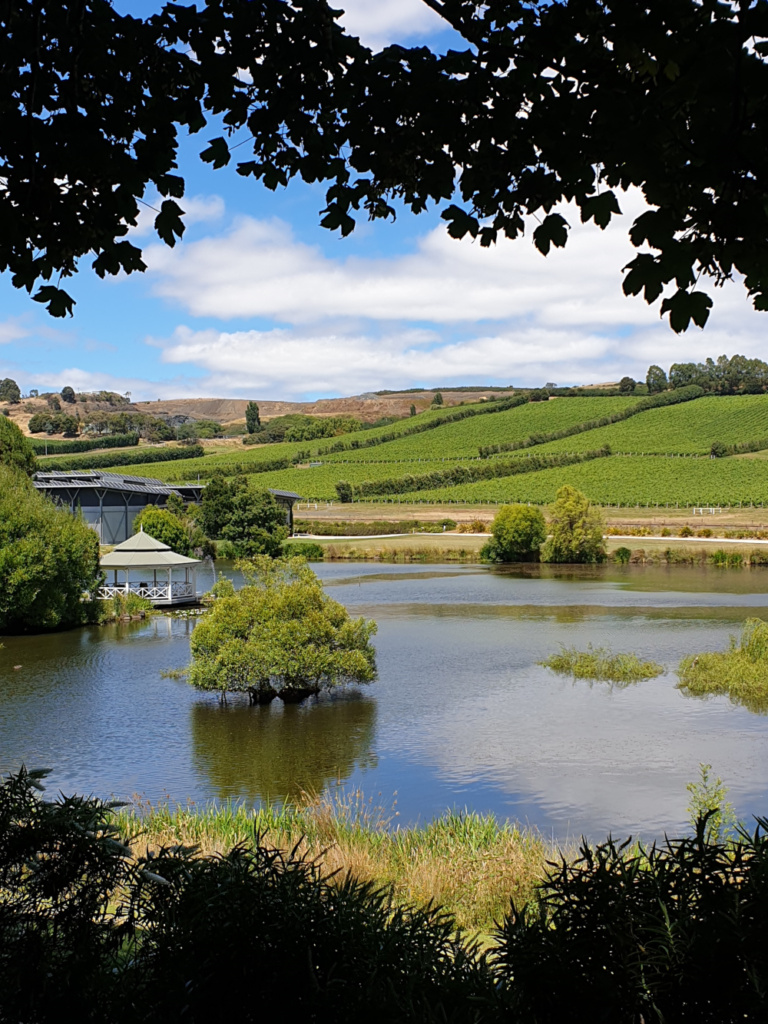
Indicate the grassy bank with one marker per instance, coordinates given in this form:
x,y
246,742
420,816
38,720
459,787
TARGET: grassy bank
x,y
467,863
741,672
438,547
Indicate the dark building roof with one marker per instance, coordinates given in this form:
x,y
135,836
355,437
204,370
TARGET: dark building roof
x,y
291,495
98,479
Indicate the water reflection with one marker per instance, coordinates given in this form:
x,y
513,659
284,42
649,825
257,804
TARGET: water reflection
x,y
281,751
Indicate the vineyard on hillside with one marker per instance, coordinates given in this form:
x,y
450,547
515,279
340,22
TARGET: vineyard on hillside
x,y
687,428
626,480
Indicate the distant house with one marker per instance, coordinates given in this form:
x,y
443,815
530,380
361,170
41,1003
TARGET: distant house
x,y
110,502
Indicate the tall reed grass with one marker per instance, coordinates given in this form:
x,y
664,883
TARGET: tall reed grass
x,y
468,863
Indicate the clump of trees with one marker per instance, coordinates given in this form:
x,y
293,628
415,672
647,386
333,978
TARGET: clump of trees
x,y
52,422
721,376
280,635
576,529
300,427
49,560
251,520
518,533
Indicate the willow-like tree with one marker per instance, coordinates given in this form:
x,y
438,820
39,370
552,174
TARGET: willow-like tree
x,y
576,529
280,635
518,533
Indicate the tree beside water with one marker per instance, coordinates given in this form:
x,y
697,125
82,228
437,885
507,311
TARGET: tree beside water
x,y
576,529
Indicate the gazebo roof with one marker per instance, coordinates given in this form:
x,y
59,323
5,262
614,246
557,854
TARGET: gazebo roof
x,y
143,551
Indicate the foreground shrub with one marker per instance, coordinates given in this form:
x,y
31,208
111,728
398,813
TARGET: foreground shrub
x,y
676,933
741,671
600,663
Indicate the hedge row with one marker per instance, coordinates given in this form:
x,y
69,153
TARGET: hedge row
x,y
462,474
238,469
83,445
686,394
719,449
110,459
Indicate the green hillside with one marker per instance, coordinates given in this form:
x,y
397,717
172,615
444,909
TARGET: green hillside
x,y
407,449
687,428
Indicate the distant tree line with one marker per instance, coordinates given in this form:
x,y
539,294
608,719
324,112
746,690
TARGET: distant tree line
x,y
84,444
721,376
107,460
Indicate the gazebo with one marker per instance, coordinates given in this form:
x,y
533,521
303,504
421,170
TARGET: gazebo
x,y
142,559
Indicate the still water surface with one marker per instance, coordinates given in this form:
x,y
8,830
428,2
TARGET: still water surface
x,y
461,715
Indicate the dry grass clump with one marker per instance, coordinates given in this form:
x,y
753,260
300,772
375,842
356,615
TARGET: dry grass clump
x,y
741,671
470,864
600,663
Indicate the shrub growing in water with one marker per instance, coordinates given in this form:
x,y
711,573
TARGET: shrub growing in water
x,y
600,663
280,635
741,671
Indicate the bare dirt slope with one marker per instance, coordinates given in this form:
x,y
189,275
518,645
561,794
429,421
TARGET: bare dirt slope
x,y
367,407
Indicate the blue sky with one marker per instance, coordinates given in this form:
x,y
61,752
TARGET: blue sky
x,y
260,302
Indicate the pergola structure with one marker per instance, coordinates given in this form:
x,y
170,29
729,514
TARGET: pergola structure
x,y
148,568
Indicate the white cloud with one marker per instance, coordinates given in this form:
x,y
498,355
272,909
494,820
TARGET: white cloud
x,y
260,269
381,22
12,330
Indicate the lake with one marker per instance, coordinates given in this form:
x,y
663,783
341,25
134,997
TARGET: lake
x,y
461,715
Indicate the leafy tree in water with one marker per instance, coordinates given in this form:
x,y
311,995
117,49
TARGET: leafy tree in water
x,y
9,391
252,418
576,529
656,380
518,533
279,635
48,560
545,102
15,449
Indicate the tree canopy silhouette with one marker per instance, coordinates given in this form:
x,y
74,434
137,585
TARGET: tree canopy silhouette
x,y
572,100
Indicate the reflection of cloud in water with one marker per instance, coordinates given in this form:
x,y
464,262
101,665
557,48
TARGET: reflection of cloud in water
x,y
279,752
602,760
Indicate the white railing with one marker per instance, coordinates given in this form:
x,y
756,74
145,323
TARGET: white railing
x,y
151,592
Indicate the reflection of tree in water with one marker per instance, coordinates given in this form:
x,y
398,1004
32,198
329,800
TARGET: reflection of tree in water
x,y
279,751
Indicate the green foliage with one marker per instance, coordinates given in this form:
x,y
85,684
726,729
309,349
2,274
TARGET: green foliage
x,y
656,380
54,423
627,385
437,399
83,444
709,803
10,391
723,376
576,529
49,559
175,527
255,524
123,606
303,549
600,663
108,460
518,533
280,634
622,555
15,449
675,932
413,410
164,526
324,527
199,429
68,395
741,672
252,418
